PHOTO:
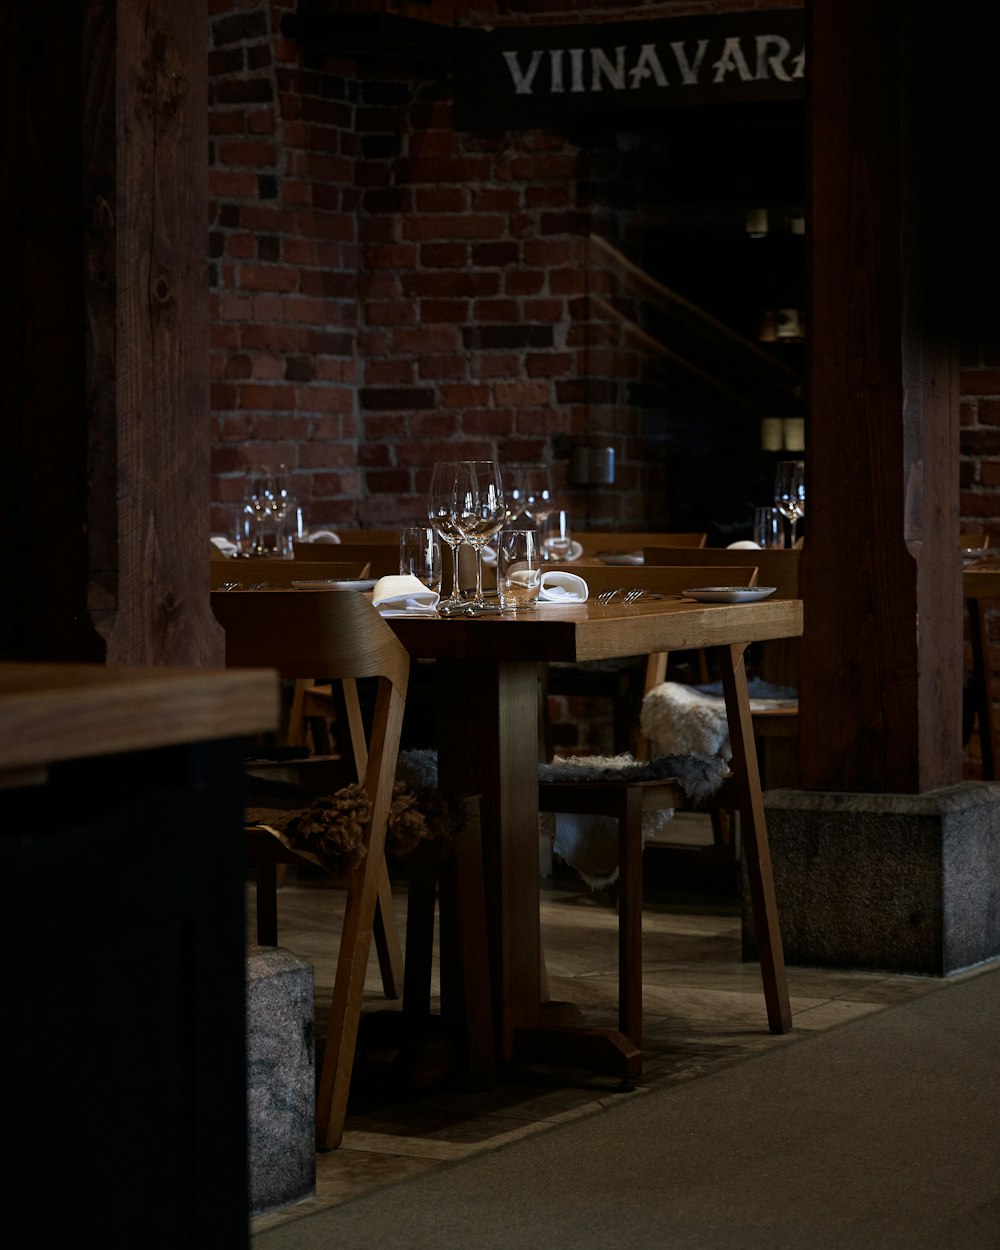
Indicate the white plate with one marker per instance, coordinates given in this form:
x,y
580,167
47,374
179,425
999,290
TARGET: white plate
x,y
729,594
351,583
621,557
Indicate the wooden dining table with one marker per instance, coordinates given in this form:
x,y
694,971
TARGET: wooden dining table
x,y
488,718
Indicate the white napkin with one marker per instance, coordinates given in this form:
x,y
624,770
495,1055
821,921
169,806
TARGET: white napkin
x,y
489,555
225,545
401,594
322,536
560,587
743,545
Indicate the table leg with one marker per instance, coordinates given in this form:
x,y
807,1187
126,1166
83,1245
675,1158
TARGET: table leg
x,y
756,850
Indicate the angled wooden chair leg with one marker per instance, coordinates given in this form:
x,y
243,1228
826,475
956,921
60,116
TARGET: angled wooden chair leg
x,y
755,845
387,943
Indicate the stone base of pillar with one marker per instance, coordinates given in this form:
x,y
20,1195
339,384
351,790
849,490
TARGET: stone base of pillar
x,y
891,883
281,1080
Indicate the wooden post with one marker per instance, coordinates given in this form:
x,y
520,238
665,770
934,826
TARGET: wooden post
x,y
880,688
105,378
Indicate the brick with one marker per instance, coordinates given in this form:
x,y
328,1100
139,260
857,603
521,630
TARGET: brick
x,y
324,399
327,282
468,396
225,61
450,226
489,423
440,368
241,246
540,421
521,394
259,395
496,310
442,426
383,481
242,91
441,200
389,373
391,256
268,278
500,255
395,313
450,283
499,338
396,399
988,411
979,382
247,152
231,184
444,311
549,366
418,339
498,365
524,281
236,29
268,367
443,255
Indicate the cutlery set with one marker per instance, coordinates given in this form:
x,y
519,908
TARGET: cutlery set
x,y
627,595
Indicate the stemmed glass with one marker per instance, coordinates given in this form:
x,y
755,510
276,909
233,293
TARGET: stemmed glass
x,y
479,511
534,486
790,493
440,513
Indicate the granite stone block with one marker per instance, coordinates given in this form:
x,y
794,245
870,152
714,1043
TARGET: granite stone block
x,y
281,1078
890,883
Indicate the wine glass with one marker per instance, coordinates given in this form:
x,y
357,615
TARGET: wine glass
x,y
479,510
440,510
534,484
790,493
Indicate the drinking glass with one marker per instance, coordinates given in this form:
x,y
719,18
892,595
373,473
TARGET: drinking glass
x,y
420,555
790,493
557,536
440,513
768,527
519,572
478,510
534,485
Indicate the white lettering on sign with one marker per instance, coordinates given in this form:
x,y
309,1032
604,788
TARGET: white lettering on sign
x,y
762,58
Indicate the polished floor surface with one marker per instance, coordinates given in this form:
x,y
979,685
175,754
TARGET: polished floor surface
x,y
703,1009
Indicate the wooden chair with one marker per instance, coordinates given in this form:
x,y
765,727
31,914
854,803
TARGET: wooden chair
x,y
621,684
382,558
626,801
779,660
595,541
339,635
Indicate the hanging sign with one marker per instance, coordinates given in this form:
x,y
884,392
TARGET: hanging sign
x,y
539,75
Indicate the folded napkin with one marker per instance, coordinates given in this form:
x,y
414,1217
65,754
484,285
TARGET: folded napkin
x,y
560,587
400,594
744,544
225,545
489,554
322,536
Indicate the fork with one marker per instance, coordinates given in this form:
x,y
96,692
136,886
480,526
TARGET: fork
x,y
607,595
630,596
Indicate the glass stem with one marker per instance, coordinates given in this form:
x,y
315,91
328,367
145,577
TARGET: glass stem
x,y
454,569
479,575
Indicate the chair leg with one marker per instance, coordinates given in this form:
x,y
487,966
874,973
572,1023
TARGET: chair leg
x,y
630,916
387,943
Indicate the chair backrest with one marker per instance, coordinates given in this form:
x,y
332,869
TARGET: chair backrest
x,y
775,567
281,573
595,541
382,558
325,633
661,579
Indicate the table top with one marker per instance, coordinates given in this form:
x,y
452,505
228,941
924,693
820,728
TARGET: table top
x,y
52,712
591,631
981,581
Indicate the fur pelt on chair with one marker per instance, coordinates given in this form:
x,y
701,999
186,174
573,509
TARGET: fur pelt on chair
x,y
333,826
678,718
589,844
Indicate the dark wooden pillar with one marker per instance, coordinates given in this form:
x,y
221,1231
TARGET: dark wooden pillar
x,y
105,376
880,573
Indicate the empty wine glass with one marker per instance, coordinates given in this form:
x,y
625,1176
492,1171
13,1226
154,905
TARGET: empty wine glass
x,y
440,513
534,485
479,510
790,493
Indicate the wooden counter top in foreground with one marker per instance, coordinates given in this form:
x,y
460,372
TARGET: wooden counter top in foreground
x,y
52,712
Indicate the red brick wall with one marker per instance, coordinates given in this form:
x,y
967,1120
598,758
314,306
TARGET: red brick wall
x,y
383,286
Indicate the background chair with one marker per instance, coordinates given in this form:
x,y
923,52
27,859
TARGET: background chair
x,y
595,541
382,558
779,660
340,635
628,800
